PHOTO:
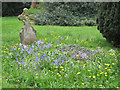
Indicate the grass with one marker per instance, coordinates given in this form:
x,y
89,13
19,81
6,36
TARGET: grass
x,y
47,67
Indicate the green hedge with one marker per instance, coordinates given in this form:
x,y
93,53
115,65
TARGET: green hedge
x,y
67,14
109,21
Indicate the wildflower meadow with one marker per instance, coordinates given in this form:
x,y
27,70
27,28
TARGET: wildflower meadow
x,y
42,65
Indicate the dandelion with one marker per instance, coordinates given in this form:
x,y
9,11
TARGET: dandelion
x,y
106,75
62,69
101,72
100,85
84,66
18,80
82,83
36,74
10,54
49,70
110,54
57,73
89,76
78,73
99,66
105,72
93,76
113,54
89,70
97,74
112,63
107,64
105,68
109,70
98,62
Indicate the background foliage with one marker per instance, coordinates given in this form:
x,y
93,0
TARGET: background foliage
x,y
109,21
13,8
68,14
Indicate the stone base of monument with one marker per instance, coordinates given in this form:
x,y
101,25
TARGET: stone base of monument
x,y
28,34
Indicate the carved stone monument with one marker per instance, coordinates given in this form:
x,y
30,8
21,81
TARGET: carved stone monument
x,y
28,33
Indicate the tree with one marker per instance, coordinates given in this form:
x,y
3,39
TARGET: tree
x,y
33,4
109,21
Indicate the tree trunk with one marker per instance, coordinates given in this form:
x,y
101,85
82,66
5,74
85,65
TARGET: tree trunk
x,y
33,5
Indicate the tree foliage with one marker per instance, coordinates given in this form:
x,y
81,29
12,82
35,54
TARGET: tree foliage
x,y
13,8
67,13
109,21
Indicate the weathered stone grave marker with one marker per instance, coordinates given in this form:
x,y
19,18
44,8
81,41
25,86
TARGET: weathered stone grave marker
x,y
28,33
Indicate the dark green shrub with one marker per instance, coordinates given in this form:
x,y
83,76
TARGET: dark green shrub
x,y
109,21
13,8
67,14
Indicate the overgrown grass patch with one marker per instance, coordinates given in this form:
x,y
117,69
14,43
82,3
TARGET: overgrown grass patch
x,y
41,65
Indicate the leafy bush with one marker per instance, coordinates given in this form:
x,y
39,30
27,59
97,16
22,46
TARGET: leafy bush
x,y
109,22
13,8
67,14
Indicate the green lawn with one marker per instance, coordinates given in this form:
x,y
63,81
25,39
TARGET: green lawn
x,y
99,71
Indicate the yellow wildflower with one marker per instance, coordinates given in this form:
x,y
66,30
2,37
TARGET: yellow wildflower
x,y
18,80
82,83
45,39
98,62
61,67
78,73
36,74
100,85
105,68
107,64
113,54
89,70
84,66
55,66
4,51
118,87
66,74
109,70
110,54
105,72
10,54
18,48
57,73
99,66
106,75
112,63
93,76
60,71
97,74
89,76
49,70
101,72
